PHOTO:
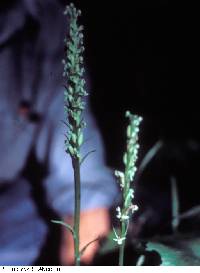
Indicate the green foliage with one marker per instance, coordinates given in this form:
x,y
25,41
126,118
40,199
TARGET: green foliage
x,y
63,224
148,157
177,250
175,204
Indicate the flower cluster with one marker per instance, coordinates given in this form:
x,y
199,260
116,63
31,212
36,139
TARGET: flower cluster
x,y
75,89
125,178
121,178
130,157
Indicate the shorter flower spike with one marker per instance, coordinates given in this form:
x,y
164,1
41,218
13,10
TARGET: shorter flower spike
x,y
125,178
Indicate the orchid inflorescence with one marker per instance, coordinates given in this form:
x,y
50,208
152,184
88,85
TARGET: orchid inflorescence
x,y
75,91
74,95
125,178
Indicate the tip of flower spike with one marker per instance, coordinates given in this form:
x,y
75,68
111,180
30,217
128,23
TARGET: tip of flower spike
x,y
72,9
138,119
127,114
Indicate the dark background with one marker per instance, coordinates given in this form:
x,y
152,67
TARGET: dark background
x,y
127,58
127,49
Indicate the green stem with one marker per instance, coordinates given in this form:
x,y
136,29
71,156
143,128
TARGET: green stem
x,y
122,246
123,224
77,184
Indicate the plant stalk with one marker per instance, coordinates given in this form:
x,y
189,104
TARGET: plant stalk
x,y
122,246
77,185
74,105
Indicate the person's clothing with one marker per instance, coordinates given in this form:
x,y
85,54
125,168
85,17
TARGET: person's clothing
x,y
31,70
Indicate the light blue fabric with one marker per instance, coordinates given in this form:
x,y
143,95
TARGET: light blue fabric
x,y
22,231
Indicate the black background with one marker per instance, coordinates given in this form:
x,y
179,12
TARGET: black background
x,y
127,58
128,45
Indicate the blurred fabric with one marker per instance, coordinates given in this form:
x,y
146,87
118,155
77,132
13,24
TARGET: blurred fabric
x,y
36,178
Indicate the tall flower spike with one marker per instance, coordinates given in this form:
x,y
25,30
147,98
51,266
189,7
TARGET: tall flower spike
x,y
74,105
75,91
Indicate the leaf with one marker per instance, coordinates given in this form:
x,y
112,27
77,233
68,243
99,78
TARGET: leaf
x,y
180,254
140,260
66,138
83,159
194,245
175,204
149,156
194,211
63,224
169,256
86,246
66,123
